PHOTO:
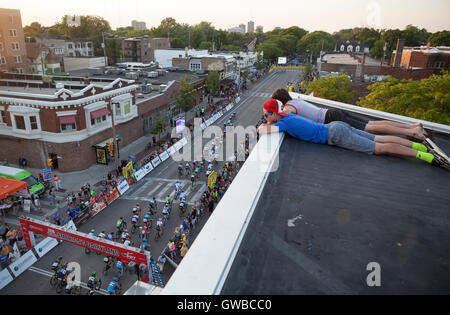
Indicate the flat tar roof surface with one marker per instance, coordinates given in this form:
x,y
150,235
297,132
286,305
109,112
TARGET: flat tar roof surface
x,y
347,209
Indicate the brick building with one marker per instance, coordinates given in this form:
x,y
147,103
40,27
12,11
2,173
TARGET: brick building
x,y
42,120
224,64
141,49
424,57
13,54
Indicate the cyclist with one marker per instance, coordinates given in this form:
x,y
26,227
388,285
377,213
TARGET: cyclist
x,y
144,231
159,227
119,267
168,200
182,196
152,205
121,224
102,234
187,168
182,207
192,179
57,264
177,186
166,212
144,244
92,232
135,220
125,235
113,285
108,262
127,242
148,219
62,274
180,169
92,281
138,208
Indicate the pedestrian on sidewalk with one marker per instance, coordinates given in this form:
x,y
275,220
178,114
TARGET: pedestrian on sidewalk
x,y
52,197
57,182
37,203
183,251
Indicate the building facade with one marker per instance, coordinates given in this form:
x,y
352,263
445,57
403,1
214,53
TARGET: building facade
x,y
423,57
224,64
141,49
250,27
138,26
44,122
13,53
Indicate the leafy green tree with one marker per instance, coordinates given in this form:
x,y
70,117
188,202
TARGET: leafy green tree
x,y
186,96
294,31
336,88
427,99
313,42
414,36
159,127
213,82
271,51
440,39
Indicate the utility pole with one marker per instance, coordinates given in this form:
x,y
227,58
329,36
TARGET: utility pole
x,y
104,49
116,151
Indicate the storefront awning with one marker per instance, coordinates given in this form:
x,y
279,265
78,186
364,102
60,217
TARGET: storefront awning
x,y
67,119
100,112
11,186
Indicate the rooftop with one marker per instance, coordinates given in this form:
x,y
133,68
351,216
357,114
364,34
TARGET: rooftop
x,y
302,218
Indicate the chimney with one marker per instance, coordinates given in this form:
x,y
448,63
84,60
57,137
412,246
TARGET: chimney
x,y
363,59
399,52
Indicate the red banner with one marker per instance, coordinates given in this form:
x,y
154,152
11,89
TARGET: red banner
x,y
112,195
106,247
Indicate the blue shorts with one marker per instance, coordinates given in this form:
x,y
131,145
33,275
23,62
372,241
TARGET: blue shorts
x,y
345,136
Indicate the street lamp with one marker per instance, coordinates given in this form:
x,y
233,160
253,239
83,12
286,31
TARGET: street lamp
x,y
116,151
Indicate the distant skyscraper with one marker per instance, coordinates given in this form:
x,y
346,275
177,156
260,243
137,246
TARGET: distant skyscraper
x,y
242,26
251,27
138,26
259,28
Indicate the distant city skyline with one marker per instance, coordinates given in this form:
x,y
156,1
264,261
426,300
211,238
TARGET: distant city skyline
x,y
382,14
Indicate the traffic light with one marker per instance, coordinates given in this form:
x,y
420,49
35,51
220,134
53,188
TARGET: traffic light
x,y
49,162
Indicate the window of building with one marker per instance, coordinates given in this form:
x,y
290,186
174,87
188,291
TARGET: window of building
x,y
89,45
126,109
439,64
20,122
3,116
67,127
70,46
118,111
33,123
20,70
18,59
1,46
15,46
13,33
2,60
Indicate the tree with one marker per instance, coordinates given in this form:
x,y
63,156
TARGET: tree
x,y
186,97
313,42
159,127
271,51
440,39
213,82
426,99
336,88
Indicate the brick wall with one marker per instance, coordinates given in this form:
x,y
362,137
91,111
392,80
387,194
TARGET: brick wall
x,y
182,63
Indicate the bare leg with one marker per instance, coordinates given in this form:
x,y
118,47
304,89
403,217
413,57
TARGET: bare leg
x,y
394,148
394,139
392,128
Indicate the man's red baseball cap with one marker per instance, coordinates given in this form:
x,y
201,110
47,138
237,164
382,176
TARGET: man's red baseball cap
x,y
274,106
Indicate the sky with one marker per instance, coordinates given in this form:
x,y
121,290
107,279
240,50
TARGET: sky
x,y
324,15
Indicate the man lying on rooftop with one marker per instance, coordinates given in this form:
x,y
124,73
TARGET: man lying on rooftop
x,y
343,135
322,115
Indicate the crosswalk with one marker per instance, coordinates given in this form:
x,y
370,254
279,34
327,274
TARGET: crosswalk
x,y
259,94
161,187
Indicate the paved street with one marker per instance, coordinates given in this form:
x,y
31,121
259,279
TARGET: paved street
x,y
158,184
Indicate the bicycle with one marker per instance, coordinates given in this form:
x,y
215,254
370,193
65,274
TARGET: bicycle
x,y
134,226
109,261
54,279
158,234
